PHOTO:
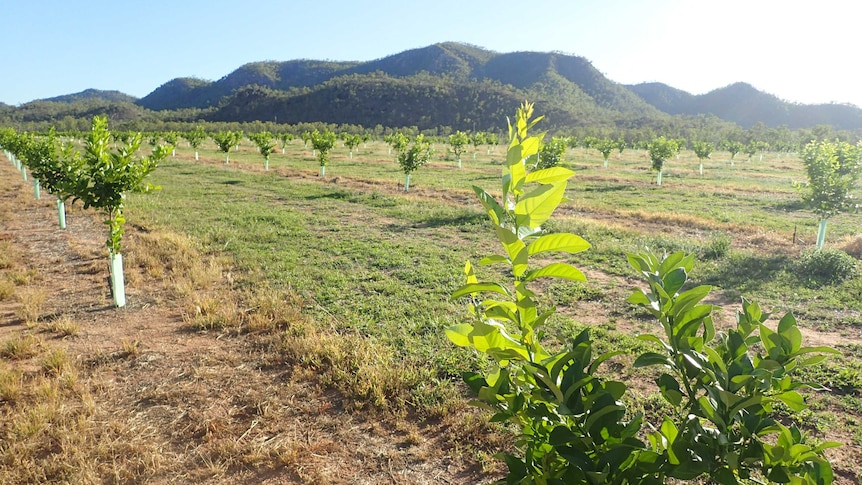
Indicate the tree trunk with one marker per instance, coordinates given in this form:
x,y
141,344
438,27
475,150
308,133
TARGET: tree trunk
x,y
407,183
658,180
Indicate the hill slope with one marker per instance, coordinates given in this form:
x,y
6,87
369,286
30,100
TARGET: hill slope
x,y
742,104
94,95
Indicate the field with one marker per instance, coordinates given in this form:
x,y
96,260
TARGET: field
x,y
284,328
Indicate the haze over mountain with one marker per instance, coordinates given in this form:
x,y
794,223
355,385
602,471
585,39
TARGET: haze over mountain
x,y
447,84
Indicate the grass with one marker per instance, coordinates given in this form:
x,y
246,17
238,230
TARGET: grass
x,y
347,280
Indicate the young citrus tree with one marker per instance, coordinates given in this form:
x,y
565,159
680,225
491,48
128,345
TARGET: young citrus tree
x,y
606,146
265,145
703,149
721,388
106,178
195,137
458,144
553,153
833,170
323,143
224,140
284,138
352,141
660,150
414,157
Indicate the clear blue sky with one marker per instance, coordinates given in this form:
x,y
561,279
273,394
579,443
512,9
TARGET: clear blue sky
x,y
799,51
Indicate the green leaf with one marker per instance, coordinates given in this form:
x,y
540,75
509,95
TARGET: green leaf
x,y
493,259
480,287
495,211
537,206
674,280
651,358
549,175
562,242
515,248
458,334
793,400
556,270
670,389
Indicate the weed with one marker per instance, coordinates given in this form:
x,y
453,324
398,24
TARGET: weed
x,y
213,312
63,326
10,385
55,362
7,289
32,300
21,347
130,348
826,266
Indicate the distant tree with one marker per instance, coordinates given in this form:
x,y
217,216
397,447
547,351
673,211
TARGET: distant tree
x,y
478,139
171,138
553,153
458,143
195,138
224,140
733,147
605,146
750,149
285,138
660,150
265,145
492,139
703,149
323,142
833,170
621,146
352,141
306,137
397,141
413,157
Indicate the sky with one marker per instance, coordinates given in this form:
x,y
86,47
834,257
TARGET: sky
x,y
804,52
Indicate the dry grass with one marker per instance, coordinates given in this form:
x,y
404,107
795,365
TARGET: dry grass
x,y
32,304
851,245
7,289
21,347
64,326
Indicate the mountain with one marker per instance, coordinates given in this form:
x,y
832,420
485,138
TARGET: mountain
x,y
745,105
449,84
94,95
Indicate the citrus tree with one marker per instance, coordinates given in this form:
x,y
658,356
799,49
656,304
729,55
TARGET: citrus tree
x,y
553,153
105,179
660,150
265,145
224,140
478,139
833,169
733,147
458,144
351,142
720,388
413,157
323,142
284,138
195,137
605,146
171,138
702,149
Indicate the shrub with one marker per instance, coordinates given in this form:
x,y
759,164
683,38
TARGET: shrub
x,y
817,267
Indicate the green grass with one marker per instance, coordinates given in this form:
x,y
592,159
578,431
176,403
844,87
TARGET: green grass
x,y
372,262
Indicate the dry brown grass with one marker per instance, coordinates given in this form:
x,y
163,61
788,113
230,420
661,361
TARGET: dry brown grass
x,y
851,245
32,304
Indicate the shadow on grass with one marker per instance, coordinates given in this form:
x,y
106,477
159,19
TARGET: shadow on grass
x,y
231,182
740,274
608,188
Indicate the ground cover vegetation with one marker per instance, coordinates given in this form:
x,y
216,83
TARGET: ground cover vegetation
x,y
374,268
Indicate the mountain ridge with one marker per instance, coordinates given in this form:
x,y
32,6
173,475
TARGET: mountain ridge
x,y
415,83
